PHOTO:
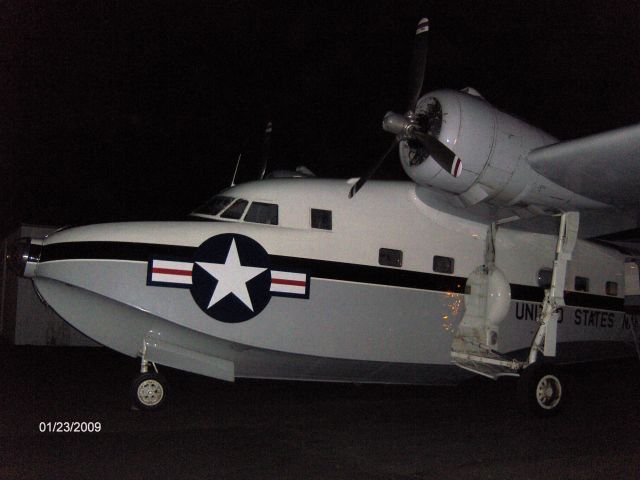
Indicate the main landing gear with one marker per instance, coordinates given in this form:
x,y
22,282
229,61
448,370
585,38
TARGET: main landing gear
x,y
149,389
542,389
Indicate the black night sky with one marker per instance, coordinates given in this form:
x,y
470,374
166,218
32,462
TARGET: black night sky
x,y
137,110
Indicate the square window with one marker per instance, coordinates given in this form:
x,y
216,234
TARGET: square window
x,y
321,219
611,288
443,264
544,277
259,212
581,284
390,257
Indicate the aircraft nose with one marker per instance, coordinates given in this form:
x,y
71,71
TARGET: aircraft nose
x,y
23,256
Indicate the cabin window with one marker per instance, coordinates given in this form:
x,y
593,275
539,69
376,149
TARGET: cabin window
x,y
321,219
266,213
443,264
235,211
581,284
215,205
611,288
544,277
390,257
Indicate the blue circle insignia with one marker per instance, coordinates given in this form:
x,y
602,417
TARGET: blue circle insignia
x,y
231,278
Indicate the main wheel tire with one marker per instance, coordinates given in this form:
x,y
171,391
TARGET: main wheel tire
x,y
149,391
542,390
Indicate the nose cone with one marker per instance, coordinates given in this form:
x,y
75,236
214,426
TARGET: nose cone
x,y
23,256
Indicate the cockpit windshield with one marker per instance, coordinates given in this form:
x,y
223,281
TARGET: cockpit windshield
x,y
215,205
230,208
236,210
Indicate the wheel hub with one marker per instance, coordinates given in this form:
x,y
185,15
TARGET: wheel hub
x,y
549,392
150,392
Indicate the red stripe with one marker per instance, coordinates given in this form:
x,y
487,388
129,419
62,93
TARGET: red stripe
x,y
456,170
172,271
295,283
423,25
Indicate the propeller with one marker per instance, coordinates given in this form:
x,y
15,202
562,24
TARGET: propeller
x,y
409,127
362,180
405,128
266,148
418,63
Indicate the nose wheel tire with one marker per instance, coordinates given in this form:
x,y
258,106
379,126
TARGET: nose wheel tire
x,y
149,391
542,391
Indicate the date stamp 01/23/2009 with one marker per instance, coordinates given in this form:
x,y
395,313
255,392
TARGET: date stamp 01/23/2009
x,y
69,427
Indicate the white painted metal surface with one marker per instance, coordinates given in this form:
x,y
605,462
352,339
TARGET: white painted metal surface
x,y
605,166
493,146
346,329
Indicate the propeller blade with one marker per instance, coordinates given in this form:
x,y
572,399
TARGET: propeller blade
x,y
446,158
266,149
442,154
418,63
362,180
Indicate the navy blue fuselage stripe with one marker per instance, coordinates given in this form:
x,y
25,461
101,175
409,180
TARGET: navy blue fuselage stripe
x,y
143,252
112,251
351,272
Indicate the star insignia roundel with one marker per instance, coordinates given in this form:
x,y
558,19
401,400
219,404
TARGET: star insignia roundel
x,y
231,278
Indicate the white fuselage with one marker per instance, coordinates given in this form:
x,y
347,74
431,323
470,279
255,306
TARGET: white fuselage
x,y
348,318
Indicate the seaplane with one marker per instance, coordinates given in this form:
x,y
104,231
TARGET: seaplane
x,y
498,257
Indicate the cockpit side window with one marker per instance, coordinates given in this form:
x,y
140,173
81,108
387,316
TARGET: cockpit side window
x,y
266,213
215,205
235,211
321,219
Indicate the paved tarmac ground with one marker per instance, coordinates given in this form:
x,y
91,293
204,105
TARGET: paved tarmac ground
x,y
287,430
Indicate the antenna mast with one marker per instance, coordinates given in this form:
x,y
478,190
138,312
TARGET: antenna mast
x,y
233,180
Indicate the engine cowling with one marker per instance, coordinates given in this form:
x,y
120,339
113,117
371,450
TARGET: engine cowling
x,y
491,143
493,147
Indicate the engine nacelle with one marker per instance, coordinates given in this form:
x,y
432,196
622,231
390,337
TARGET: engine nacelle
x,y
493,147
490,143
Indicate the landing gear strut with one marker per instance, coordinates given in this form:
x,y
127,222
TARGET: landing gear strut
x,y
541,388
149,389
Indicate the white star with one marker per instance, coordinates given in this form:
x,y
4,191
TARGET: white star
x,y
232,277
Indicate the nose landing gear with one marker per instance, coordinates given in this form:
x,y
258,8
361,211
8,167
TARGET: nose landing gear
x,y
149,389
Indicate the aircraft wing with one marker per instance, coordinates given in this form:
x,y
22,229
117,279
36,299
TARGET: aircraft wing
x,y
603,167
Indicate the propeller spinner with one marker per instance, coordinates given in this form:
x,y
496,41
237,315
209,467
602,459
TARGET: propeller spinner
x,y
409,127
